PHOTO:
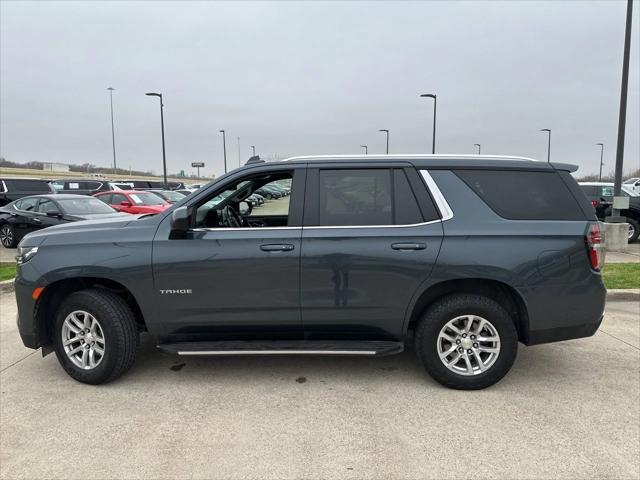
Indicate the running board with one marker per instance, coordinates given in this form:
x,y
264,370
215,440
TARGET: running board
x,y
284,347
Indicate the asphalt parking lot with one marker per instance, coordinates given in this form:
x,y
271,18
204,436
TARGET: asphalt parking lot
x,y
566,410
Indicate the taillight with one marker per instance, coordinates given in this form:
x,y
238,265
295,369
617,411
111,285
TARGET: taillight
x,y
594,203
594,245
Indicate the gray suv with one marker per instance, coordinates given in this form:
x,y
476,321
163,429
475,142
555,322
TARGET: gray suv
x,y
463,257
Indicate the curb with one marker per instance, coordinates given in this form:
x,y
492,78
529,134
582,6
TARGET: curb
x,y
7,286
623,295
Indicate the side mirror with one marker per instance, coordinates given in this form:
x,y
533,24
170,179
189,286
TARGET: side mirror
x,y
124,203
54,214
179,223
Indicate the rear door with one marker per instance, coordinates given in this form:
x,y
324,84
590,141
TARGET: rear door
x,y
371,237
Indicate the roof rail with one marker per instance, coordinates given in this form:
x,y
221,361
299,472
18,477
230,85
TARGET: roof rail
x,y
411,156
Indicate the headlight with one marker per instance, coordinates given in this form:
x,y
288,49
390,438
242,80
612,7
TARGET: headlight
x,y
25,253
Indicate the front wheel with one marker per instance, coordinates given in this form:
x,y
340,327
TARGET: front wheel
x,y
8,236
96,336
634,229
466,341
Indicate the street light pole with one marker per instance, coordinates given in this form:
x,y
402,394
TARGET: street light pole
x,y
113,134
224,149
366,149
387,132
253,149
435,108
477,145
548,144
622,117
164,155
601,160
239,161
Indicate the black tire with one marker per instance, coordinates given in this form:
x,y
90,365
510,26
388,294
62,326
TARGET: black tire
x,y
450,307
120,334
635,225
8,236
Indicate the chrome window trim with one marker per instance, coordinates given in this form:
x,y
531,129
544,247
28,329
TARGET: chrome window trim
x,y
241,229
438,197
443,206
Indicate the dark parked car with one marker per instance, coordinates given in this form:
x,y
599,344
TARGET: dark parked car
x,y
14,188
80,186
600,194
462,256
40,211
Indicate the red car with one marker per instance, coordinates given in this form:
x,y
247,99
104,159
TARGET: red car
x,y
133,201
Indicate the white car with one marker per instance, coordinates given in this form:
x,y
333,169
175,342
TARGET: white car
x,y
632,184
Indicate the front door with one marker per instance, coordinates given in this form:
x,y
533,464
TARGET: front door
x,y
236,275
370,240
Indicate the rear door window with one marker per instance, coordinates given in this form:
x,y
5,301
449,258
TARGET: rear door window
x,y
523,195
355,197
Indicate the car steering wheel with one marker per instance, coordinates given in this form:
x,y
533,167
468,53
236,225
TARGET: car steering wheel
x,y
230,217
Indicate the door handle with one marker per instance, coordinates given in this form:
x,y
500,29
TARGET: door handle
x,y
408,246
276,247
37,220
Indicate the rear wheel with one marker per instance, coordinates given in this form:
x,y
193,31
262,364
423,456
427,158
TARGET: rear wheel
x,y
466,341
634,229
96,336
8,236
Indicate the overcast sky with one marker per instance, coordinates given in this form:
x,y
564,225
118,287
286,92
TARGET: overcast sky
x,y
313,78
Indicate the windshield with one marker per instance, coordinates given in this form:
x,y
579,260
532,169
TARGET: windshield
x,y
628,191
173,196
84,206
146,198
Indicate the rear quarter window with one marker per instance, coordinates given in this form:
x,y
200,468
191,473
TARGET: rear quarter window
x,y
523,195
27,185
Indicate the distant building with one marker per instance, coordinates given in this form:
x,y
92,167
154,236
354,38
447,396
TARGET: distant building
x,y
55,167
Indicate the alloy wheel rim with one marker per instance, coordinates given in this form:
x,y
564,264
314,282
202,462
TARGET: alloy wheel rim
x,y
468,345
6,236
632,230
83,339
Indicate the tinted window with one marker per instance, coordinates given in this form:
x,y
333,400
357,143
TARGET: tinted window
x,y
521,195
117,198
406,206
47,205
105,198
27,185
606,191
28,204
355,197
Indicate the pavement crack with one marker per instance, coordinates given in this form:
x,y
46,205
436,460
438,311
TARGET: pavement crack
x,y
619,339
17,361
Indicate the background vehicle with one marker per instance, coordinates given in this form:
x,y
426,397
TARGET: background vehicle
x,y
462,256
185,192
29,214
80,186
600,194
134,201
633,184
169,196
14,188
